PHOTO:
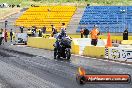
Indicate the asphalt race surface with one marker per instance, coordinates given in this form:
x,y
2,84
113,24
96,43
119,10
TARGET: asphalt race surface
x,y
25,67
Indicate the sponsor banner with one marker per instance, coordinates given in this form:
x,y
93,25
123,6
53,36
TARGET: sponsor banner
x,y
83,78
108,78
121,54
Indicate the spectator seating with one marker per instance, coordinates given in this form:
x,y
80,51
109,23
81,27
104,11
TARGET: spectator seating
x,y
108,18
46,15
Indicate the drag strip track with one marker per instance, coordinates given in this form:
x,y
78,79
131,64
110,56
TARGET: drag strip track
x,y
28,64
14,52
23,70
5,54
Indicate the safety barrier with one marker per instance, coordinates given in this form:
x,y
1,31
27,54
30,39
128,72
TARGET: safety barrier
x,y
114,53
46,35
120,54
126,42
113,37
47,43
94,51
75,47
38,42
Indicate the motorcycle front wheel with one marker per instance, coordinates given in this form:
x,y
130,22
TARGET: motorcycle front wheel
x,y
68,54
56,54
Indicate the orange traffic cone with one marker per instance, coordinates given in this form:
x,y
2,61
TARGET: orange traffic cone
x,y
109,42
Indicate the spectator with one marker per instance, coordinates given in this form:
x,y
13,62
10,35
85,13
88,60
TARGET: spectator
x,y
29,32
94,35
11,35
32,5
1,31
40,33
34,28
18,5
86,33
44,30
125,34
21,29
5,35
82,32
2,36
54,30
9,5
63,27
6,22
13,6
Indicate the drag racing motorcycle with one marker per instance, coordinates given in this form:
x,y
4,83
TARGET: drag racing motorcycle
x,y
63,49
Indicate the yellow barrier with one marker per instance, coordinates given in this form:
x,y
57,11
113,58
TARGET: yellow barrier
x,y
74,35
41,43
113,37
127,42
46,43
75,48
46,35
94,51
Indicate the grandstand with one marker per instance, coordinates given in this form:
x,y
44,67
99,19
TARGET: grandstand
x,y
46,15
108,18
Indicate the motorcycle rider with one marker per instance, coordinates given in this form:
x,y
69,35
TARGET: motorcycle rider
x,y
60,35
60,40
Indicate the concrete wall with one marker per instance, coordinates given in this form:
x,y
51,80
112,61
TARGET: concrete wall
x,y
94,51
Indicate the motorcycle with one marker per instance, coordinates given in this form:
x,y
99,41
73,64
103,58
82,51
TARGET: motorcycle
x,y
64,48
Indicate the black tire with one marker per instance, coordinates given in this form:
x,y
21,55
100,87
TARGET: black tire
x,y
0,40
56,54
68,54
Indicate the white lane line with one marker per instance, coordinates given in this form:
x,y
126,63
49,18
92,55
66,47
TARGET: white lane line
x,y
95,59
123,63
102,59
118,62
112,61
128,64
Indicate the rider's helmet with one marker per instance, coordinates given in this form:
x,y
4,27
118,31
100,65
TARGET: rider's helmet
x,y
63,33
